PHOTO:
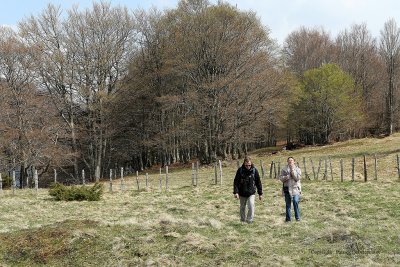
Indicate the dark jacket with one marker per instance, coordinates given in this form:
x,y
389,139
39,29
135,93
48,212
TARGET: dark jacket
x,y
241,184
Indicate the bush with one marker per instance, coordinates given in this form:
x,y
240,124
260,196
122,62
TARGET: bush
x,y
7,181
62,192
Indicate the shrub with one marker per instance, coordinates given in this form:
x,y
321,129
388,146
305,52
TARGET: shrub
x,y
7,181
62,192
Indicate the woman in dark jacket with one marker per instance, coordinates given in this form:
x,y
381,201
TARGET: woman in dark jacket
x,y
245,184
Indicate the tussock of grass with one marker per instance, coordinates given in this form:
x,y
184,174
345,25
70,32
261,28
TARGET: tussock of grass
x,y
195,242
210,222
172,235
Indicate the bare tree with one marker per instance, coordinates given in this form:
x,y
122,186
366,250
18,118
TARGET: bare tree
x,y
390,52
305,49
357,54
211,70
80,60
101,41
54,68
27,122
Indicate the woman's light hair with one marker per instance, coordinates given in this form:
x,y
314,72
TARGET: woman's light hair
x,y
247,159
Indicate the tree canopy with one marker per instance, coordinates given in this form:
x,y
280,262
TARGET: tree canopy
x,y
101,87
329,105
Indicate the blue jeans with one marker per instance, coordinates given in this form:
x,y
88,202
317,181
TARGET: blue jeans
x,y
288,201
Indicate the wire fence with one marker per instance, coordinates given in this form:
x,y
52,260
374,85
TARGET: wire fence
x,y
362,168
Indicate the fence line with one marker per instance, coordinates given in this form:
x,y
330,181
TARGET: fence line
x,y
363,166
359,166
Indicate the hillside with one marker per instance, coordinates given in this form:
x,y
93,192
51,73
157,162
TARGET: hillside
x,y
349,223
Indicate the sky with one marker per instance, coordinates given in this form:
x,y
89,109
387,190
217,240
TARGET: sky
x,y
280,16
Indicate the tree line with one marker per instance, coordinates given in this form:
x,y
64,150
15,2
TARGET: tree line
x,y
108,86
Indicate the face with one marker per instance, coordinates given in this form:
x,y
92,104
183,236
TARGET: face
x,y
247,165
290,161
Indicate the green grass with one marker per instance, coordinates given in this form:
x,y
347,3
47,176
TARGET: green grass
x,y
348,223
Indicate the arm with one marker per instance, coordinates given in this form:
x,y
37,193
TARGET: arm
x,y
258,183
296,174
236,184
284,176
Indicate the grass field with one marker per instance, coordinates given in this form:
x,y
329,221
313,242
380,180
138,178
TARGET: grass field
x,y
350,223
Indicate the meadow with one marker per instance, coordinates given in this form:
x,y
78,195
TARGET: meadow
x,y
349,223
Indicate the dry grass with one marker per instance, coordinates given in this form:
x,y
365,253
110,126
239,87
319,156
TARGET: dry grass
x,y
343,223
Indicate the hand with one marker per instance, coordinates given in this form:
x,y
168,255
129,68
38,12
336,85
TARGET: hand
x,y
236,195
260,197
292,167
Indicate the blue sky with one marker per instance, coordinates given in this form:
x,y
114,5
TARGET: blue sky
x,y
282,17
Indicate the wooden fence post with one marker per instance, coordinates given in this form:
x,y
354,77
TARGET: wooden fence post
x,y
319,168
262,170
83,177
352,168
376,167
398,165
326,170
341,170
197,172
97,173
270,170
160,180
166,178
365,169
330,166
274,170
313,169
279,168
27,181
13,182
122,180
193,174
137,180
305,169
1,184
111,175
55,177
215,173
36,182
220,172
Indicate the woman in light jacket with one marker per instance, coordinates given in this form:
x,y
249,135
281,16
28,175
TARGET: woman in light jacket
x,y
290,177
